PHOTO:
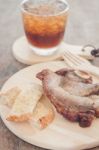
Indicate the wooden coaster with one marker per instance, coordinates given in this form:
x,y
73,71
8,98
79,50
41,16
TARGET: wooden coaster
x,y
24,54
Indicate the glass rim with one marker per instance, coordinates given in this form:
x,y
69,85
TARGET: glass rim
x,y
44,15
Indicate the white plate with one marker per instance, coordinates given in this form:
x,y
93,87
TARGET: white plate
x,y
61,134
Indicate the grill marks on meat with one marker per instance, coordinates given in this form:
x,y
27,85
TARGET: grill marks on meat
x,y
74,97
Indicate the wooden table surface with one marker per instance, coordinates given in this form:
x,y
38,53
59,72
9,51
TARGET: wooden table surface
x,y
83,28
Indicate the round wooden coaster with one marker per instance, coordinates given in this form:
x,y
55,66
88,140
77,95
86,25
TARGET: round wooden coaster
x,y
24,54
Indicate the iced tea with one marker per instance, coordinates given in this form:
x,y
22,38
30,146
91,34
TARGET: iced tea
x,y
44,22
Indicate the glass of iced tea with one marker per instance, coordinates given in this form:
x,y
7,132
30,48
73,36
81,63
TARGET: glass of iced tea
x,y
44,24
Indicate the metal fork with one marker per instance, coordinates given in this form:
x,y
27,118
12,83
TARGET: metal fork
x,y
77,62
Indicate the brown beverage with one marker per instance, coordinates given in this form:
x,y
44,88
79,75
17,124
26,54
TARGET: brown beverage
x,y
44,23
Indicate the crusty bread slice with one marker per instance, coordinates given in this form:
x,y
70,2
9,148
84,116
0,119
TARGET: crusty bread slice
x,y
9,97
43,114
25,103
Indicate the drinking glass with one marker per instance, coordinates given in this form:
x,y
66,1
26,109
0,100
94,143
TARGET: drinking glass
x,y
44,24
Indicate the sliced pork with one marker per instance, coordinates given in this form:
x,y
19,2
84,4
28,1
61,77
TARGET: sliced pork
x,y
74,96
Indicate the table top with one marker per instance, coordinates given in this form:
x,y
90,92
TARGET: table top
x,y
83,28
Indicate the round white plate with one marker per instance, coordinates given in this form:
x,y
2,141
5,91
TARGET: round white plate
x,y
61,134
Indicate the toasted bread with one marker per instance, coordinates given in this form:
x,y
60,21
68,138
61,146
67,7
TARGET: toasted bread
x,y
43,114
25,103
8,98
28,104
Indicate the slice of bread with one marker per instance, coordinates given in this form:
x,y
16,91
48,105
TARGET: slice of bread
x,y
25,103
43,114
8,98
28,104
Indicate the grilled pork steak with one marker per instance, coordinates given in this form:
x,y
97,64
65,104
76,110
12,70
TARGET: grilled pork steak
x,y
76,98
